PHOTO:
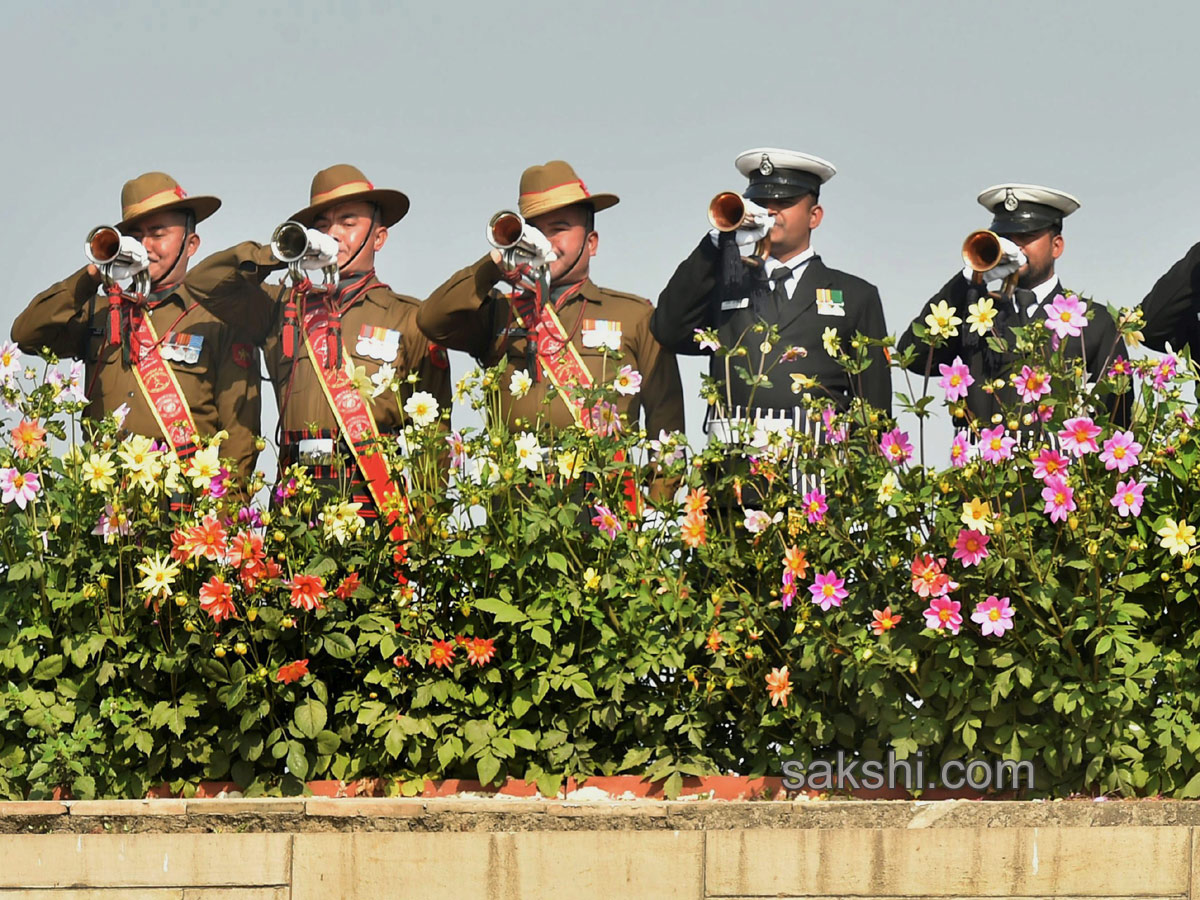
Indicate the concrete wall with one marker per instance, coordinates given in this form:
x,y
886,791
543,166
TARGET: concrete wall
x,y
527,850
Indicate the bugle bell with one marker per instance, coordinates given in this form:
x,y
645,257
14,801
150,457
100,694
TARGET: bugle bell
x,y
729,211
505,229
982,251
118,256
289,243
102,246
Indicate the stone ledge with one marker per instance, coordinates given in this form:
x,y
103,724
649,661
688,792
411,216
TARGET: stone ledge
x,y
311,814
126,807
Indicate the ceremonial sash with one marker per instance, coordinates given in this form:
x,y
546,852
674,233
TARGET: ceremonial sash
x,y
158,385
557,357
561,362
356,422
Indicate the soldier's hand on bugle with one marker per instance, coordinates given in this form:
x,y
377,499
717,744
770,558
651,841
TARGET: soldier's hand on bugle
x,y
756,225
322,251
1009,264
533,251
131,259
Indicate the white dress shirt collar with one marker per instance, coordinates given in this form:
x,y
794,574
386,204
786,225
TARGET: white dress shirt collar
x,y
797,264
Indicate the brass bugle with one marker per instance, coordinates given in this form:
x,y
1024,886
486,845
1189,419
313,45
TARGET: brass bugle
x,y
289,242
103,245
982,251
727,212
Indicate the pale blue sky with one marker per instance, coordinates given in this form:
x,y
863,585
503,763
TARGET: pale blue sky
x,y
920,105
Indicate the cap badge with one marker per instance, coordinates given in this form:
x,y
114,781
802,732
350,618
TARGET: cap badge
x,y
765,167
1010,200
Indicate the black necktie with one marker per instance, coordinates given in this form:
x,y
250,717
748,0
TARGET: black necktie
x,y
780,275
1024,299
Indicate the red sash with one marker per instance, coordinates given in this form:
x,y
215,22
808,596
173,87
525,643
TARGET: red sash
x,y
159,387
560,361
356,422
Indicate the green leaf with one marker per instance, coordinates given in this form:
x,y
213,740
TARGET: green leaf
x,y
673,786
328,743
310,717
1191,790
504,612
338,645
549,784
449,751
50,667
84,787
323,565
522,738
393,741
487,768
557,561
297,761
521,703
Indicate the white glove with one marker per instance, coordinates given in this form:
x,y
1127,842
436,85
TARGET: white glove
x,y
534,248
759,225
322,250
1010,262
131,258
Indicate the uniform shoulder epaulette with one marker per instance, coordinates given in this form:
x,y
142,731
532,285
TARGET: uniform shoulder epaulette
x,y
622,295
405,298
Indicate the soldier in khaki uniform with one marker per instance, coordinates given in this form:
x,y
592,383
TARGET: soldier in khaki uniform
x,y
468,313
218,376
376,326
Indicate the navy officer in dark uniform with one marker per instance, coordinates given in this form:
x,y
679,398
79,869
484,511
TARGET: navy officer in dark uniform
x,y
1172,308
1028,219
722,286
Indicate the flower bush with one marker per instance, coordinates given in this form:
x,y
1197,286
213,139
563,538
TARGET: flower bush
x,y
1031,596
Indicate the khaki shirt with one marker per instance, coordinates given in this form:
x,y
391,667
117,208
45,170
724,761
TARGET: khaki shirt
x,y
221,386
229,284
467,313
